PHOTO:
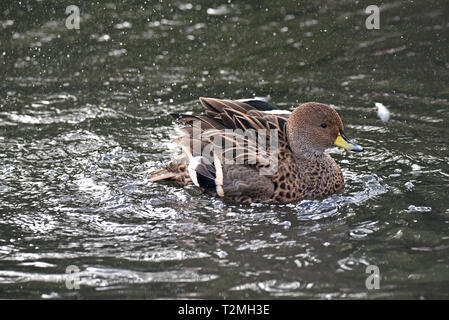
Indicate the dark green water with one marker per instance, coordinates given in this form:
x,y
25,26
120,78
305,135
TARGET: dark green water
x,y
84,118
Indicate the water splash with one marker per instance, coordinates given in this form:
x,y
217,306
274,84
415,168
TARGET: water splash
x,y
370,186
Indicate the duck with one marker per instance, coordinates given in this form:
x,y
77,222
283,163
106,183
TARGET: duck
x,y
250,151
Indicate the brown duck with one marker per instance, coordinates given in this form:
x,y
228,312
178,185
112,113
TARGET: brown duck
x,y
282,160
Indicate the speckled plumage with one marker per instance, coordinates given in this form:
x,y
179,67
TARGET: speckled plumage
x,y
303,169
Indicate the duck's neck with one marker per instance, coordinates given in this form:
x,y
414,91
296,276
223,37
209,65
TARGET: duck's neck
x,y
302,148
321,162
302,154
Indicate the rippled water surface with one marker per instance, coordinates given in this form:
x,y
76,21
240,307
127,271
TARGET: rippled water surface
x,y
84,118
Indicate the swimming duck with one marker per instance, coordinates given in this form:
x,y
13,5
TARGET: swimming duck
x,y
241,167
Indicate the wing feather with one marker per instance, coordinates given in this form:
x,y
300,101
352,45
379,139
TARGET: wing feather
x,y
239,145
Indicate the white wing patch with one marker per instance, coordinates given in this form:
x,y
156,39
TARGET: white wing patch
x,y
275,112
193,164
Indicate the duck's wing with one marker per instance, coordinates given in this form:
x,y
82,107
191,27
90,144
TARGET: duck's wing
x,y
250,107
238,114
215,107
237,129
233,147
238,133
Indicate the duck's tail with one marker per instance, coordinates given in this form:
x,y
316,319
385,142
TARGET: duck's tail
x,y
162,174
175,172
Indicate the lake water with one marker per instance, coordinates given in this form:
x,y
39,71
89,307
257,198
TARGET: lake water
x,y
84,117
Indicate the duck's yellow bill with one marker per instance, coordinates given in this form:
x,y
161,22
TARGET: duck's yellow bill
x,y
345,143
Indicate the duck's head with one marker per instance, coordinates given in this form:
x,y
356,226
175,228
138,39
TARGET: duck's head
x,y
314,127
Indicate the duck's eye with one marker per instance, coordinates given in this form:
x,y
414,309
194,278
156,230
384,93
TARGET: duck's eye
x,y
323,125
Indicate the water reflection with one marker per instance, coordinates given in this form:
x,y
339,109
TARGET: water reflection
x,y
84,118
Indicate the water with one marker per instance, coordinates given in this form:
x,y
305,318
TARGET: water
x,y
84,118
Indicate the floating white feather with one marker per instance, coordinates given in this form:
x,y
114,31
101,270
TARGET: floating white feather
x,y
382,112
